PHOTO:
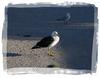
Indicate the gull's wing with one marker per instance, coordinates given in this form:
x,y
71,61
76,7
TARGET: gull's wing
x,y
45,42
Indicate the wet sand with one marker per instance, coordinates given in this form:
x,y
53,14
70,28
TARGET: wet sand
x,y
20,54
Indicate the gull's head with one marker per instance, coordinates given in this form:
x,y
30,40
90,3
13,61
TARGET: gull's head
x,y
54,33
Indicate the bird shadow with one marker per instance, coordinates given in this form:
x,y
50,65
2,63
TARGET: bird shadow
x,y
9,54
51,66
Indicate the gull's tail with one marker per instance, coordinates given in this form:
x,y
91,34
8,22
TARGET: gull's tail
x,y
35,47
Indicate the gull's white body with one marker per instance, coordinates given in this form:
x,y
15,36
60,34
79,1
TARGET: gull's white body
x,y
56,40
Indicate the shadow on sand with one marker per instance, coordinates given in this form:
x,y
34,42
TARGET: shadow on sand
x,y
9,54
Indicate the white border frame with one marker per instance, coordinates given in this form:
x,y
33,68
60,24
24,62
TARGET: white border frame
x,y
4,3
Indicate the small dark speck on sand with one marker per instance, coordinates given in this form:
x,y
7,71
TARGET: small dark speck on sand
x,y
51,66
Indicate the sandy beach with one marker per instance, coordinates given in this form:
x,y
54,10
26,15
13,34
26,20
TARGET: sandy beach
x,y
20,54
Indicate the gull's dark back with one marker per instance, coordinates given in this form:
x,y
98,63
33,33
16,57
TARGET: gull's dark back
x,y
45,42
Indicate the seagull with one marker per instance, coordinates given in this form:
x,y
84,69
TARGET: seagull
x,y
68,16
65,18
48,42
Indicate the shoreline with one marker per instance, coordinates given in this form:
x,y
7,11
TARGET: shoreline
x,y
22,38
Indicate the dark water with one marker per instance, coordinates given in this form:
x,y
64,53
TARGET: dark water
x,y
77,46
76,43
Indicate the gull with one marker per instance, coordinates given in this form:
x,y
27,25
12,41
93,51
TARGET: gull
x,y
48,42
